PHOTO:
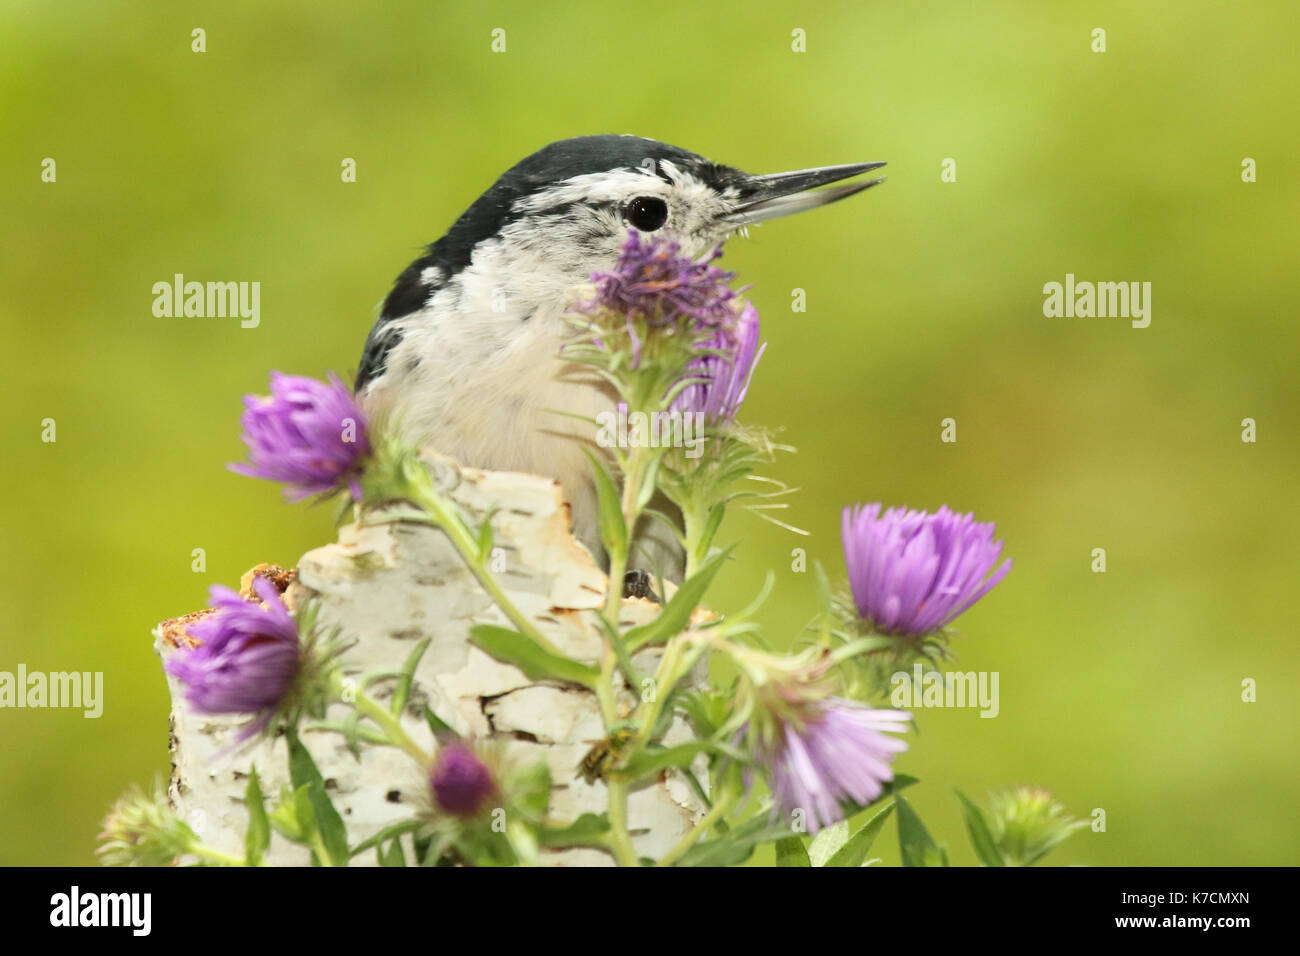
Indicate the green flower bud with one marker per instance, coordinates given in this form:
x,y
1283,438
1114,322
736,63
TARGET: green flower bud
x,y
142,830
1026,823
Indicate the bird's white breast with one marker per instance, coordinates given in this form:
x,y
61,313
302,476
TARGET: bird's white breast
x,y
478,376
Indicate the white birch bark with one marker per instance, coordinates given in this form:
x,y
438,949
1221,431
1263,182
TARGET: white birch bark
x,y
389,586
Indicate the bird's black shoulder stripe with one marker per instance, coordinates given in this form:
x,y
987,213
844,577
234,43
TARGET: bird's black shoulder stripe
x,y
409,294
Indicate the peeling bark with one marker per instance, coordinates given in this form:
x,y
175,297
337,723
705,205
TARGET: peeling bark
x,y
388,586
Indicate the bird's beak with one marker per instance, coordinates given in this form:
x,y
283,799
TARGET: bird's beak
x,y
783,194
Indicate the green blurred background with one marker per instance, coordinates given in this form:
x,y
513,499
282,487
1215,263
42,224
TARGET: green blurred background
x,y
1118,690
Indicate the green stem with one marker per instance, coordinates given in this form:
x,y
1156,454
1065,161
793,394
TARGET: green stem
x,y
318,847
393,728
390,725
620,843
633,472
424,494
614,588
672,667
693,527
634,469
614,596
716,813
605,688
212,854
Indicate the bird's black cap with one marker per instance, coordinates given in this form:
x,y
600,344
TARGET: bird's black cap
x,y
552,164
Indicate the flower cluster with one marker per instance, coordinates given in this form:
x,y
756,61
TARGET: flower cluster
x,y
801,719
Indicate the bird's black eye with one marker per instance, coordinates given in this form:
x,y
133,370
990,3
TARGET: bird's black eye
x,y
646,213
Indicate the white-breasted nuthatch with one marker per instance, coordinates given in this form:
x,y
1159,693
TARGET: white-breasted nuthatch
x,y
465,355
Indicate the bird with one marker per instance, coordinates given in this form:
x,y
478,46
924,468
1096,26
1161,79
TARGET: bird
x,y
465,355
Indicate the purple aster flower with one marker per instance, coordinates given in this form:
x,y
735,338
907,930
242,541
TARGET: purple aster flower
x,y
724,370
309,434
653,281
912,572
247,656
838,752
462,784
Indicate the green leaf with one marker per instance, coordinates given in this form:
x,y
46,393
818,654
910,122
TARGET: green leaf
x,y
675,616
854,852
590,829
827,842
511,647
306,818
531,788
613,530
303,773
825,595
980,836
654,759
258,836
352,731
621,654
436,724
389,832
393,856
915,844
284,817
791,852
402,692
707,709
424,849
670,523
735,847
754,606
901,781
648,481
523,844
711,525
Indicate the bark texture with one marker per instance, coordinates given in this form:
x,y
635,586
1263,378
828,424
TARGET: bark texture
x,y
388,586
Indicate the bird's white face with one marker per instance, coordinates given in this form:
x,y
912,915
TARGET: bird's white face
x,y
580,225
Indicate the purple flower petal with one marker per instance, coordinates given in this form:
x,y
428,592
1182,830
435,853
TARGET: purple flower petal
x,y
462,783
839,753
912,572
246,659
308,434
654,281
723,375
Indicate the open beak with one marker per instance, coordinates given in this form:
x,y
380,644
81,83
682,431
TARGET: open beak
x,y
783,194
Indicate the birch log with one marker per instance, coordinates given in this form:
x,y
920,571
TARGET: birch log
x,y
388,586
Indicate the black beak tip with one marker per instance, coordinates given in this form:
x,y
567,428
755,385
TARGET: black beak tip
x,y
782,194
